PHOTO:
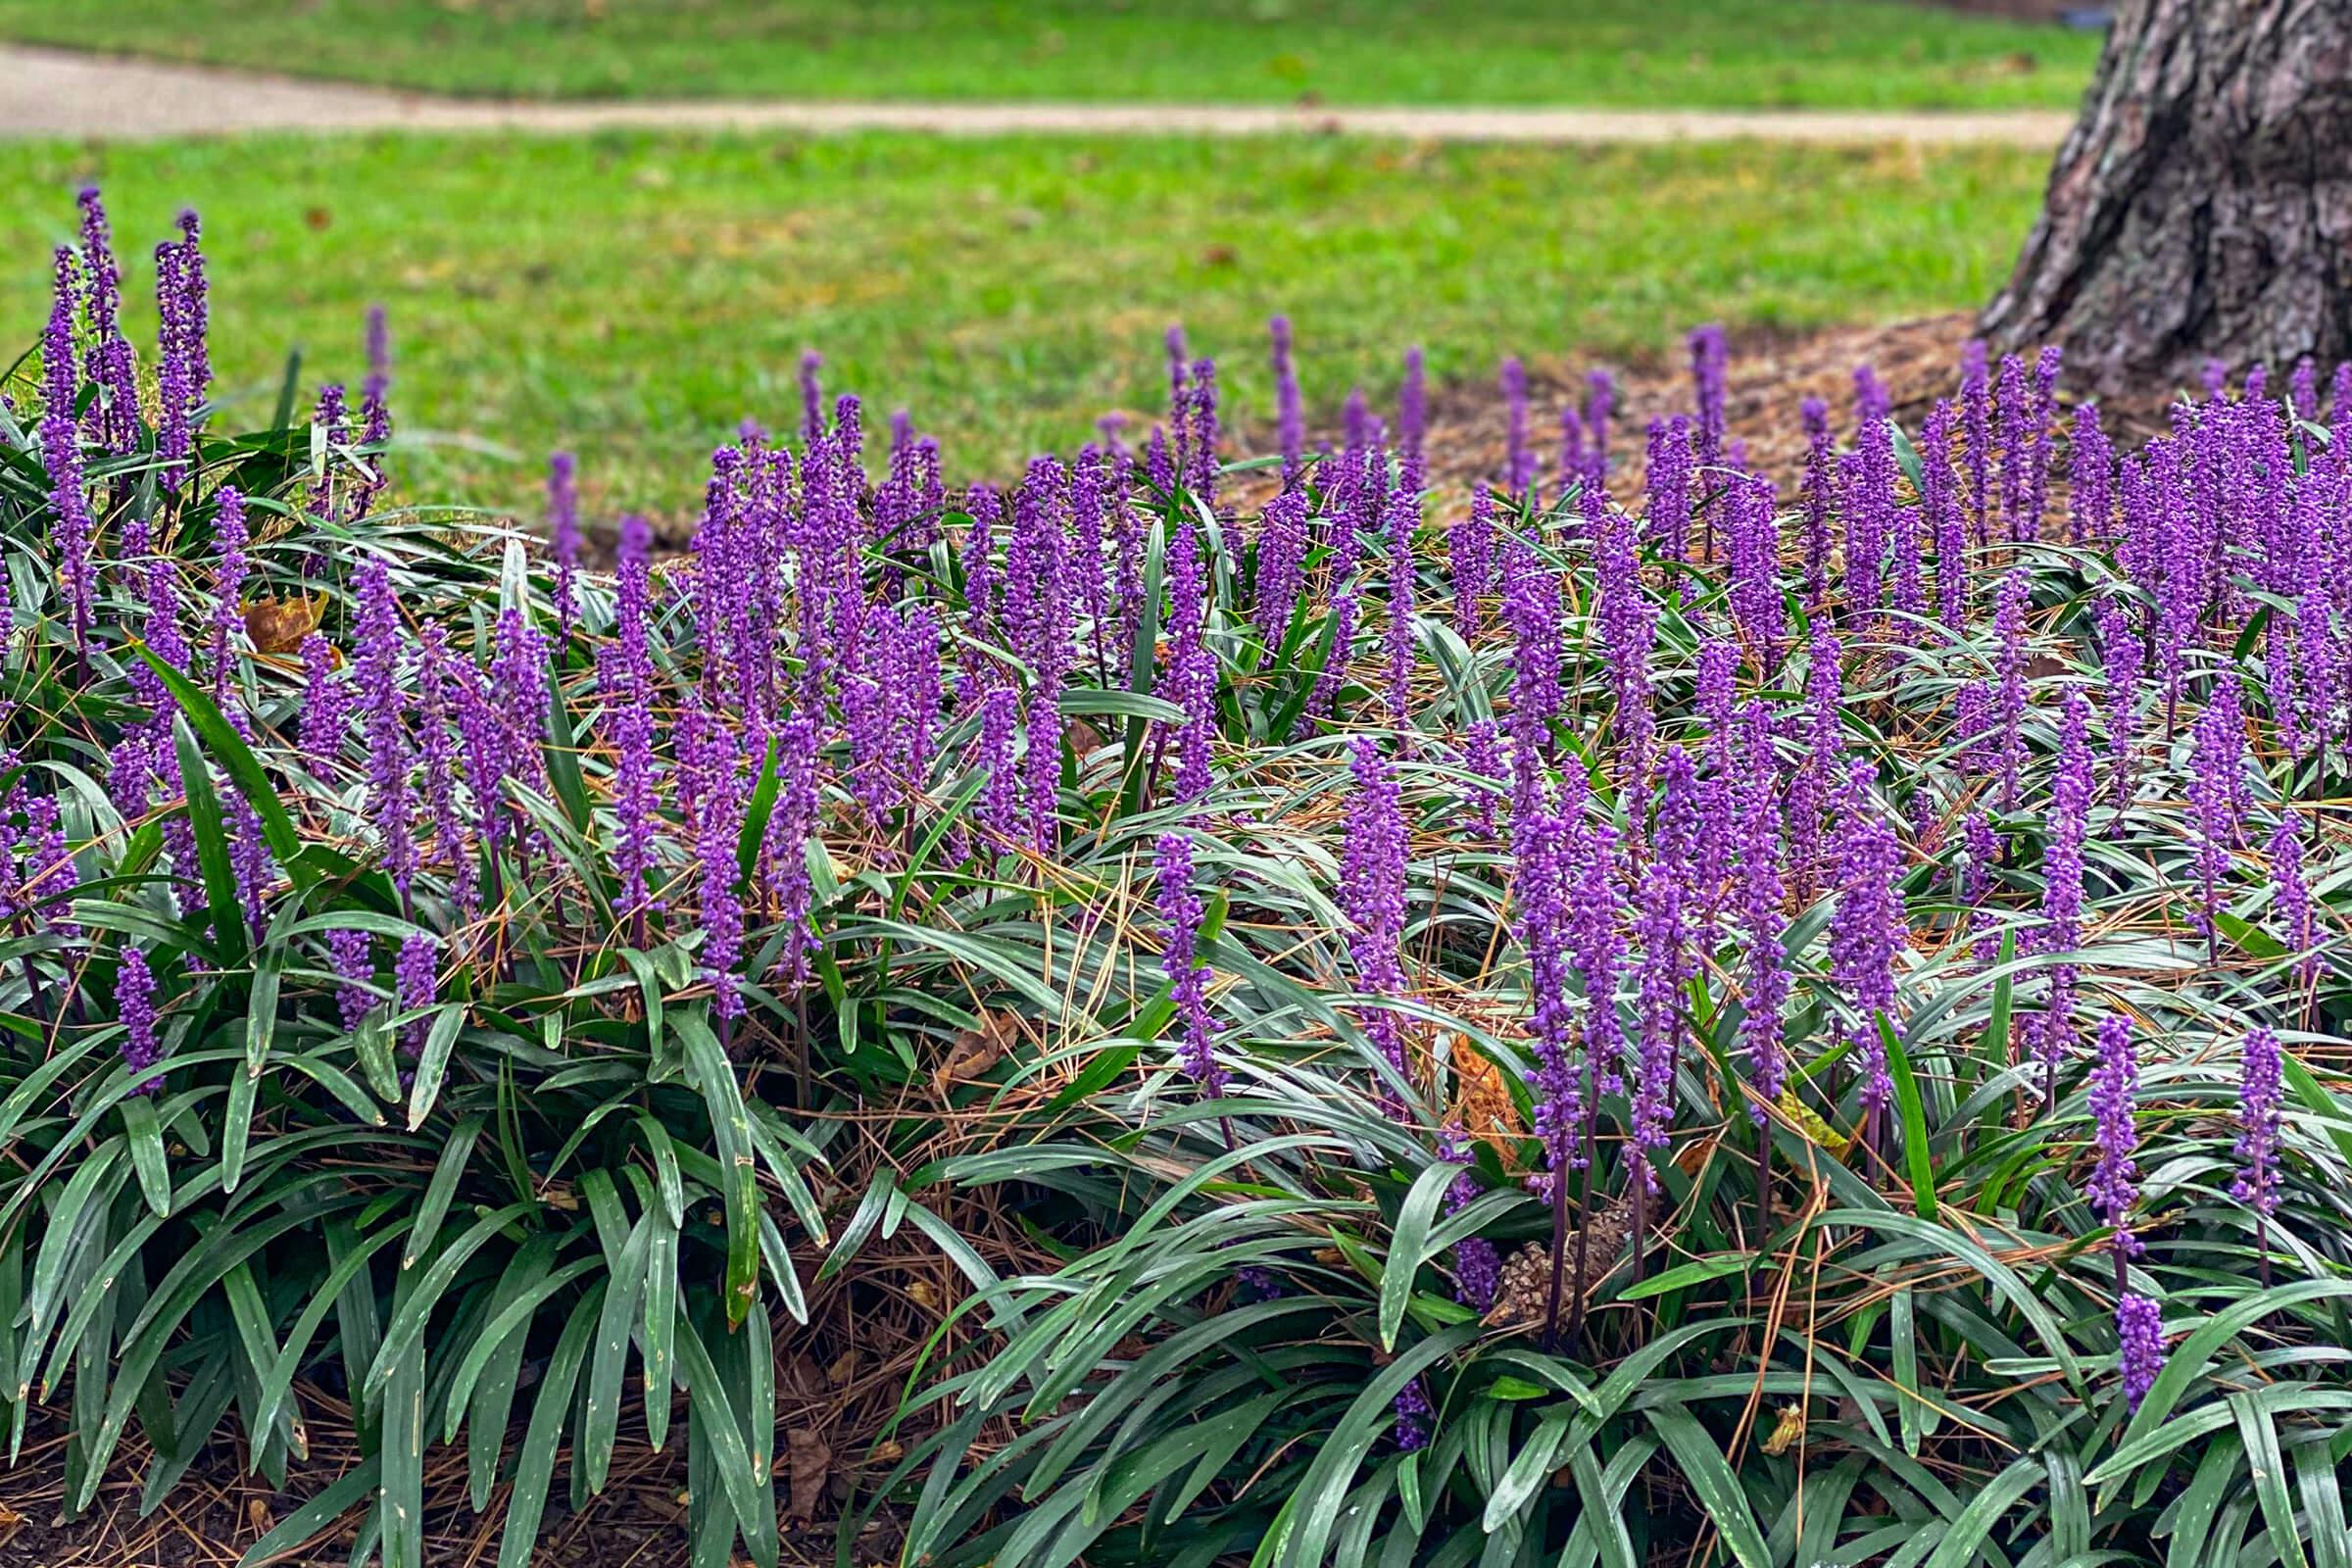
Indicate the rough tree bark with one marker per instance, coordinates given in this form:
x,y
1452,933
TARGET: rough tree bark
x,y
2202,206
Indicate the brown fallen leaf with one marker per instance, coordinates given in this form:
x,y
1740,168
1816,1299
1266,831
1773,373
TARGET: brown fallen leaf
x,y
257,1516
808,1465
843,1367
976,1050
278,626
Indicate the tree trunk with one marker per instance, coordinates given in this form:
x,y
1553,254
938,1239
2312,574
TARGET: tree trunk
x,y
2201,209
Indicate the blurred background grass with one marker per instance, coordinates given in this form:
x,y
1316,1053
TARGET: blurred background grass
x,y
1745,53
633,296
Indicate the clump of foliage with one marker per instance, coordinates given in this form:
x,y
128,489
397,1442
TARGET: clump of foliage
x,y
1797,1033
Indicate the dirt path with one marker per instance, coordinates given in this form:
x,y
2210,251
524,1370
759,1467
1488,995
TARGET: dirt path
x,y
48,92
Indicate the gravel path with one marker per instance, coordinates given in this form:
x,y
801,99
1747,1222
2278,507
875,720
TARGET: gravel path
x,y
49,92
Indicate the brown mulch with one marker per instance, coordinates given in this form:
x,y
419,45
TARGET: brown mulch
x,y
839,1381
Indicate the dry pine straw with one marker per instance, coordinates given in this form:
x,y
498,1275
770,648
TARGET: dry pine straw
x,y
838,1380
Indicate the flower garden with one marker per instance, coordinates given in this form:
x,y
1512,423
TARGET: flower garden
x,y
1638,1011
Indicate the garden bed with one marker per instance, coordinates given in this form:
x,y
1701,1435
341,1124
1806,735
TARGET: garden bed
x,y
1781,1001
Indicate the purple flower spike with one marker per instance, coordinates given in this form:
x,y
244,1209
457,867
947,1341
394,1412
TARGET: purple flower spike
x,y
1192,670
1289,418
1414,1418
1471,550
2114,1184
2091,478
563,538
60,457
352,954
1760,899
1282,546
1709,365
1601,408
1371,891
2215,793
376,671
416,983
325,703
2291,896
1180,911
998,810
721,902
1412,406
1667,960
230,568
1519,460
1668,522
134,1004
2140,1326
115,416
1867,929
2258,1098
1946,522
812,397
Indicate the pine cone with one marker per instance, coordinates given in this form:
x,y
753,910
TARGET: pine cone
x,y
1524,1296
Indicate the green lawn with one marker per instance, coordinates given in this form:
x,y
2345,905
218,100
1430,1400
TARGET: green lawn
x,y
635,295
1748,53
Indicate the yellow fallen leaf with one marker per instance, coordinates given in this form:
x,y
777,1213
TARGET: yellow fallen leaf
x,y
1811,1125
1790,1428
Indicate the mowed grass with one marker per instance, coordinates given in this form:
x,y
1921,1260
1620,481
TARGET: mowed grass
x,y
1746,53
634,296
